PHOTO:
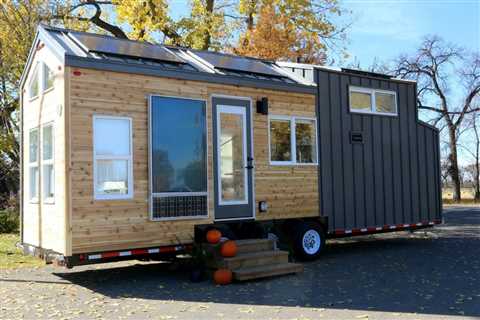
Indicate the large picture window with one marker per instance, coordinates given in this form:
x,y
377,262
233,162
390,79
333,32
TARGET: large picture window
x,y
178,152
293,140
113,172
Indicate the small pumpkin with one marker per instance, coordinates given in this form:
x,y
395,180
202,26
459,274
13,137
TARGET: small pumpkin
x,y
213,236
222,276
229,249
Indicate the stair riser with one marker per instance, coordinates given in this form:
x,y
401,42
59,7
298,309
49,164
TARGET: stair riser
x,y
264,274
255,247
236,264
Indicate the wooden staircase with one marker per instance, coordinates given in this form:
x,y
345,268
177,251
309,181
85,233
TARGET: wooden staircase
x,y
256,258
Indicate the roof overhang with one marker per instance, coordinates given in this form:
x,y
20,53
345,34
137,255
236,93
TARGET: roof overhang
x,y
92,63
41,36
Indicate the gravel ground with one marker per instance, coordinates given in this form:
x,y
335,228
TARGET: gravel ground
x,y
424,275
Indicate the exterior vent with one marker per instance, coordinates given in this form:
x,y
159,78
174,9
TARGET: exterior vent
x,y
168,207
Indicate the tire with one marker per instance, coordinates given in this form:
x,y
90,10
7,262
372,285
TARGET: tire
x,y
308,240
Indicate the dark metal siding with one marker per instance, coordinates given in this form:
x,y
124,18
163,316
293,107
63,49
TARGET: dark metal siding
x,y
393,177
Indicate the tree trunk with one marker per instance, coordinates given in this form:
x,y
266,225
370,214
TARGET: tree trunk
x,y
453,170
207,38
477,160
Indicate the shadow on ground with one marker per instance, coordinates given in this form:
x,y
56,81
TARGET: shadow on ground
x,y
432,272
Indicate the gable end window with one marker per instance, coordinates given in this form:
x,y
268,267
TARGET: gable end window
x,y
112,151
373,101
48,78
293,140
34,87
42,80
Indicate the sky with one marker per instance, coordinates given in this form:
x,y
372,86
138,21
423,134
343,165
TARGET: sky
x,y
383,29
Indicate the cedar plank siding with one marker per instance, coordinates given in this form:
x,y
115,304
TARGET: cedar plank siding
x,y
97,225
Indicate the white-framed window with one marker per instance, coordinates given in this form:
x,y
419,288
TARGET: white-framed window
x,y
33,174
42,80
34,85
292,140
112,152
48,78
373,101
48,170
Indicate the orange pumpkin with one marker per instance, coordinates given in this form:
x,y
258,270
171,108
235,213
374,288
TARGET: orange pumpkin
x,y
229,249
222,276
213,236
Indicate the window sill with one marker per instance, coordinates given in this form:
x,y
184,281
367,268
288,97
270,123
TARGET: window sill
x,y
48,90
33,201
112,197
373,113
292,164
49,201
33,98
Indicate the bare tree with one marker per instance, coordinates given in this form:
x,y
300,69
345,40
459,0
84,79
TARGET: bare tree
x,y
434,66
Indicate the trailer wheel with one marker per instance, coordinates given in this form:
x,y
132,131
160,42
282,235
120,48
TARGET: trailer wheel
x,y
308,240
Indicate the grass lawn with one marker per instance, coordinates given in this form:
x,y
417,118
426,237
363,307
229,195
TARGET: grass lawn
x,y
12,257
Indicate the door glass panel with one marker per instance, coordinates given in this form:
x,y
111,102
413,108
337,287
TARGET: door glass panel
x,y
232,154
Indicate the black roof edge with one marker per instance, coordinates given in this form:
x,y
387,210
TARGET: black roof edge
x,y
92,63
370,75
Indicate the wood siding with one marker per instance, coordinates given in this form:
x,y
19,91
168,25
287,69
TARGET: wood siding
x,y
393,176
44,223
96,225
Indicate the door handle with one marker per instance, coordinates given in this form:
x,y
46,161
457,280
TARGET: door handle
x,y
249,163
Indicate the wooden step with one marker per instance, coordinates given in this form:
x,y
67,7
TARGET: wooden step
x,y
263,271
252,259
254,245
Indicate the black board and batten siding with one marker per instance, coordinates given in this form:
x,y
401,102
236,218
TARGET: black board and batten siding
x,y
391,177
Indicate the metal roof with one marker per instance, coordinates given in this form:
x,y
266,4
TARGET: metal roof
x,y
102,52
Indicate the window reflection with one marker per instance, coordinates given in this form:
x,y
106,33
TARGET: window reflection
x,y
178,133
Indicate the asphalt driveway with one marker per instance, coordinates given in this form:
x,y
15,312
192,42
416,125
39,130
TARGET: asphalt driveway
x,y
424,275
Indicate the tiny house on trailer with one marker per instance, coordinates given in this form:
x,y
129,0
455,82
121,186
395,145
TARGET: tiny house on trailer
x,y
133,150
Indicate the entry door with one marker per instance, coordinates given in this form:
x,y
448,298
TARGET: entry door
x,y
233,161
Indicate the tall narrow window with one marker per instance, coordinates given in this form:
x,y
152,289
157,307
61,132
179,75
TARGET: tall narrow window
x,y
33,164
280,140
113,174
48,173
305,138
178,153
48,78
34,86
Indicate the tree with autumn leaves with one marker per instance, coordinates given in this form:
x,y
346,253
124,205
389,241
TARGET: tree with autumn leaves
x,y
293,30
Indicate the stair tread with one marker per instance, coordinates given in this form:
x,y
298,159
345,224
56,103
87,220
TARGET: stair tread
x,y
247,273
256,255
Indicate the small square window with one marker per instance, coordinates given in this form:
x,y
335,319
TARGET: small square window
x,y
360,101
293,140
385,102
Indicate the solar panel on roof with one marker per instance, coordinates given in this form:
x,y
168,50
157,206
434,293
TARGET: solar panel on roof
x,y
95,43
237,63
